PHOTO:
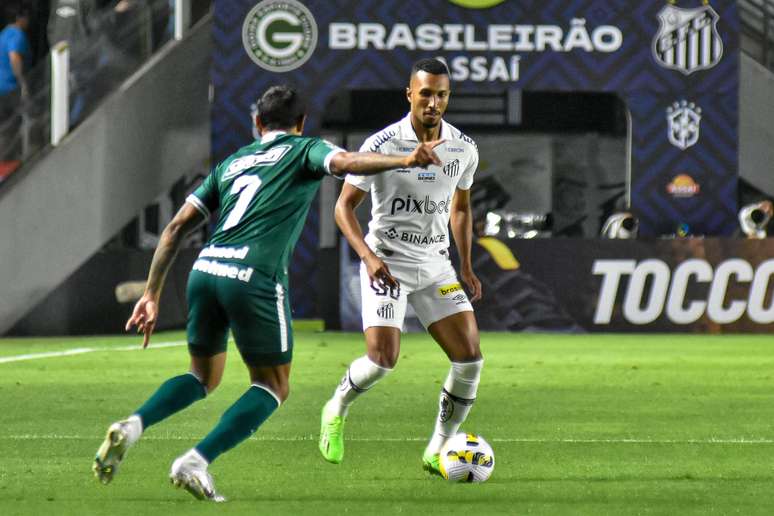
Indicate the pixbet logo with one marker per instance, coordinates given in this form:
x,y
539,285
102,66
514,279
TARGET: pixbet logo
x,y
668,291
424,206
279,35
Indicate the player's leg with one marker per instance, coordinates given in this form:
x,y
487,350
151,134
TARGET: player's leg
x,y
207,335
382,351
259,315
448,316
383,310
171,397
383,347
268,389
458,336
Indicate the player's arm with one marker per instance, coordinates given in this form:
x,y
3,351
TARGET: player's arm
x,y
349,199
146,310
368,163
461,219
17,67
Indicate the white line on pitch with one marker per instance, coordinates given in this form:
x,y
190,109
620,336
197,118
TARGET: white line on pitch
x,y
32,437
80,351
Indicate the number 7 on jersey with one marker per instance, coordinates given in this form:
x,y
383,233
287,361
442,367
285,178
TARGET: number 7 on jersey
x,y
246,187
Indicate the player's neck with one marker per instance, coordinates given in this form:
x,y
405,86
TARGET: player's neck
x,y
426,134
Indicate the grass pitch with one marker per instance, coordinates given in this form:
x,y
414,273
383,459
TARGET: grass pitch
x,y
579,425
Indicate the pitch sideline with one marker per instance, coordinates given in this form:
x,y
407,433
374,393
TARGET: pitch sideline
x,y
81,351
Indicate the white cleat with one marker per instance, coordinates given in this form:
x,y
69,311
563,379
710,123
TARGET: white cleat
x,y
112,451
189,471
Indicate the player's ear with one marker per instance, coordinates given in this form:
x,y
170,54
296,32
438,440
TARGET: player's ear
x,y
258,124
408,94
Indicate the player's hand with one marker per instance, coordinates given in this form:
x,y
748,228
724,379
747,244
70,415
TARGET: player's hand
x,y
144,317
473,284
379,273
424,155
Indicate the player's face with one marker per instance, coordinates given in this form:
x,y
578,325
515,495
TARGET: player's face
x,y
428,95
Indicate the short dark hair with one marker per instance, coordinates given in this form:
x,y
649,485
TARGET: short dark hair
x,y
281,107
17,10
430,65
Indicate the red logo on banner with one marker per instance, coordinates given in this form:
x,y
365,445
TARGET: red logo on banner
x,y
683,185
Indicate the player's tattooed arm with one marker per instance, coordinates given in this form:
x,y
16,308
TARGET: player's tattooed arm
x,y
368,163
349,199
146,310
461,219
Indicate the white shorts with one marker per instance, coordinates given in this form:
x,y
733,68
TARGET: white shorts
x,y
432,289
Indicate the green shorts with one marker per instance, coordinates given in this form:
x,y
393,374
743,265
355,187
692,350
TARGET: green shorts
x,y
254,306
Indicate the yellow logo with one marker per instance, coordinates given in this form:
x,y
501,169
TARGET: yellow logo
x,y
477,4
448,289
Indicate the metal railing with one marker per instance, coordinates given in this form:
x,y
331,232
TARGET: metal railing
x,y
93,69
757,21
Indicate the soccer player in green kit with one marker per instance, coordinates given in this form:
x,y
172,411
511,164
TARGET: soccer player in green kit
x,y
240,281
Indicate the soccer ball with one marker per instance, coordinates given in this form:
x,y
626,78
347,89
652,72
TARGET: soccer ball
x,y
466,458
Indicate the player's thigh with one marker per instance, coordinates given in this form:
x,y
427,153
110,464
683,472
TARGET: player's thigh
x,y
259,316
384,306
444,309
207,324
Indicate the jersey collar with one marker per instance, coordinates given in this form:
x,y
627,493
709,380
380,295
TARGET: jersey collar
x,y
270,136
406,130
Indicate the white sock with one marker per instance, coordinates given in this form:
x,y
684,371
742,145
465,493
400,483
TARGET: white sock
x,y
133,429
190,459
361,376
194,457
456,400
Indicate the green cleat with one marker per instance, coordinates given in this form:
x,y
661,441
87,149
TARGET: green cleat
x,y
430,463
111,452
331,436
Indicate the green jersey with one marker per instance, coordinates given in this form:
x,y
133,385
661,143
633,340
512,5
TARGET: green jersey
x,y
263,191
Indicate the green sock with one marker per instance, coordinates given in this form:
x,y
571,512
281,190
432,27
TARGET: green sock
x,y
173,396
238,423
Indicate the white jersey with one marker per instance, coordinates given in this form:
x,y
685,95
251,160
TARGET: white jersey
x,y
410,206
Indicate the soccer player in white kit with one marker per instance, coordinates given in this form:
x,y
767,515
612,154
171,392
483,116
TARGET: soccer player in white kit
x,y
405,259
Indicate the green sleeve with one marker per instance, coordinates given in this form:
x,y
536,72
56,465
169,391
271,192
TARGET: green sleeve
x,y
319,154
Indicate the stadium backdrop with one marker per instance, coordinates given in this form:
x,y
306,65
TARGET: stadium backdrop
x,y
674,64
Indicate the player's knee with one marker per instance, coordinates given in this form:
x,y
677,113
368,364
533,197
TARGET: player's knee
x,y
386,358
469,351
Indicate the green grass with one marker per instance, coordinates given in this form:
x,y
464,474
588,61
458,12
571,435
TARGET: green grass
x,y
579,424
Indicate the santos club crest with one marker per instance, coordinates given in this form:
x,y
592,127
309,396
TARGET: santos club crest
x,y
688,40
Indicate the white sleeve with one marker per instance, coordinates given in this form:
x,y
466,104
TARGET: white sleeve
x,y
466,181
364,182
